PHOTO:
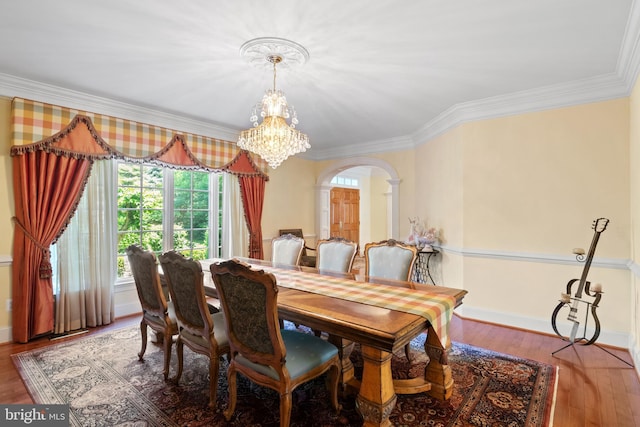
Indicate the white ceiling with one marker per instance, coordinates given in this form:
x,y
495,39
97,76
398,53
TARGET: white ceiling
x,y
382,75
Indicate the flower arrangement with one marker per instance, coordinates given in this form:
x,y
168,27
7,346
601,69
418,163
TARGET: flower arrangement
x,y
420,235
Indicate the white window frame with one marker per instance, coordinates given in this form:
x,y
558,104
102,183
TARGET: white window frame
x,y
168,213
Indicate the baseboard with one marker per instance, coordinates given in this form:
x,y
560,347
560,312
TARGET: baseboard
x,y
123,310
607,337
634,349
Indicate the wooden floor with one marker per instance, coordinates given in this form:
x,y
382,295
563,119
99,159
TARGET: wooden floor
x,y
594,388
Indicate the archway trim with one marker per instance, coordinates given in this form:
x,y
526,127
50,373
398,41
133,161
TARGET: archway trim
x,y
351,162
323,188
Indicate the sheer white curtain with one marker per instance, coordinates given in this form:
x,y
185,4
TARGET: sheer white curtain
x,y
86,255
235,235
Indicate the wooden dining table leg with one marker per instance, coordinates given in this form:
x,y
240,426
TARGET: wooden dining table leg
x,y
438,371
348,381
376,398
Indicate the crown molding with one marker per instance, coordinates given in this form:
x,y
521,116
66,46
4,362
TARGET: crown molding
x,y
12,86
614,85
593,89
588,90
362,149
629,58
605,87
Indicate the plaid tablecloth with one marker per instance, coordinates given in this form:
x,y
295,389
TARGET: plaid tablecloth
x,y
436,308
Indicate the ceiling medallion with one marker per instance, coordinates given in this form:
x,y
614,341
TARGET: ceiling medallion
x,y
258,51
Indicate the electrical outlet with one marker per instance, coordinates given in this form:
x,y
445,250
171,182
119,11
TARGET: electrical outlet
x,y
9,301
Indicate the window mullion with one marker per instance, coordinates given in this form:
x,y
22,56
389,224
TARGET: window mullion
x,y
168,211
213,214
175,198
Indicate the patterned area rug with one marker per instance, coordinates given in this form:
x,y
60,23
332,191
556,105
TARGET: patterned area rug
x,y
105,384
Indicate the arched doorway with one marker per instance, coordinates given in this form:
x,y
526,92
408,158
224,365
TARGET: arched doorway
x,y
323,188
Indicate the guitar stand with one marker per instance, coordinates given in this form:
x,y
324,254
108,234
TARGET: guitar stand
x,y
584,338
600,347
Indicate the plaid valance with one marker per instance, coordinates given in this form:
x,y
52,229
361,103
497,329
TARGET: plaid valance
x,y
40,126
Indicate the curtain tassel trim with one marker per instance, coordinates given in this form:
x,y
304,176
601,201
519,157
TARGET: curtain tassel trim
x,y
46,271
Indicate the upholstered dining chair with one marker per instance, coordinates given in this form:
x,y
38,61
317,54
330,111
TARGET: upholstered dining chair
x,y
389,259
260,350
307,259
336,254
201,331
157,313
287,249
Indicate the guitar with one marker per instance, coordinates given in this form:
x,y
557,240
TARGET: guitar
x,y
599,225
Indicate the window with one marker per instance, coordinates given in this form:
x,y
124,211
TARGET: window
x,y
344,181
163,209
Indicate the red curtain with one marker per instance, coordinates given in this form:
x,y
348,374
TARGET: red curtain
x,y
48,179
252,191
47,188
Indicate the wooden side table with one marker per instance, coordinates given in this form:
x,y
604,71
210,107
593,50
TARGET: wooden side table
x,y
421,270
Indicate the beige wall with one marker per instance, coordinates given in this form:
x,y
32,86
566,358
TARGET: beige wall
x,y
379,193
403,162
534,182
367,211
514,195
289,201
439,201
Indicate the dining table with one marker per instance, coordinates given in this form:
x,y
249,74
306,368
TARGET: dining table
x,y
381,315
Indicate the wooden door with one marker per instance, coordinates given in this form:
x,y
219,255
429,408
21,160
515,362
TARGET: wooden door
x,y
345,213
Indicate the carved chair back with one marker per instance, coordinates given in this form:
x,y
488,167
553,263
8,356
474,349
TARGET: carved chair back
x,y
390,259
287,249
336,254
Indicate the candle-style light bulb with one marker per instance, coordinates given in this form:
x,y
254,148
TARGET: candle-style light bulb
x,y
597,287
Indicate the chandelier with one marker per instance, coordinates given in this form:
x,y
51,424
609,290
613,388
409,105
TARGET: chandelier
x,y
274,139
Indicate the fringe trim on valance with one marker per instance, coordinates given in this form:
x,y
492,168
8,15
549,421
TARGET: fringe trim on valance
x,y
229,167
156,157
108,152
47,143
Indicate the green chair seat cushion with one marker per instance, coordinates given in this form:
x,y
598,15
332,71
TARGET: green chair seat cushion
x,y
152,318
304,352
219,332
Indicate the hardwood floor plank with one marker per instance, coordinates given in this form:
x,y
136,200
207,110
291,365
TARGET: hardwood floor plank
x,y
562,412
634,404
594,388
